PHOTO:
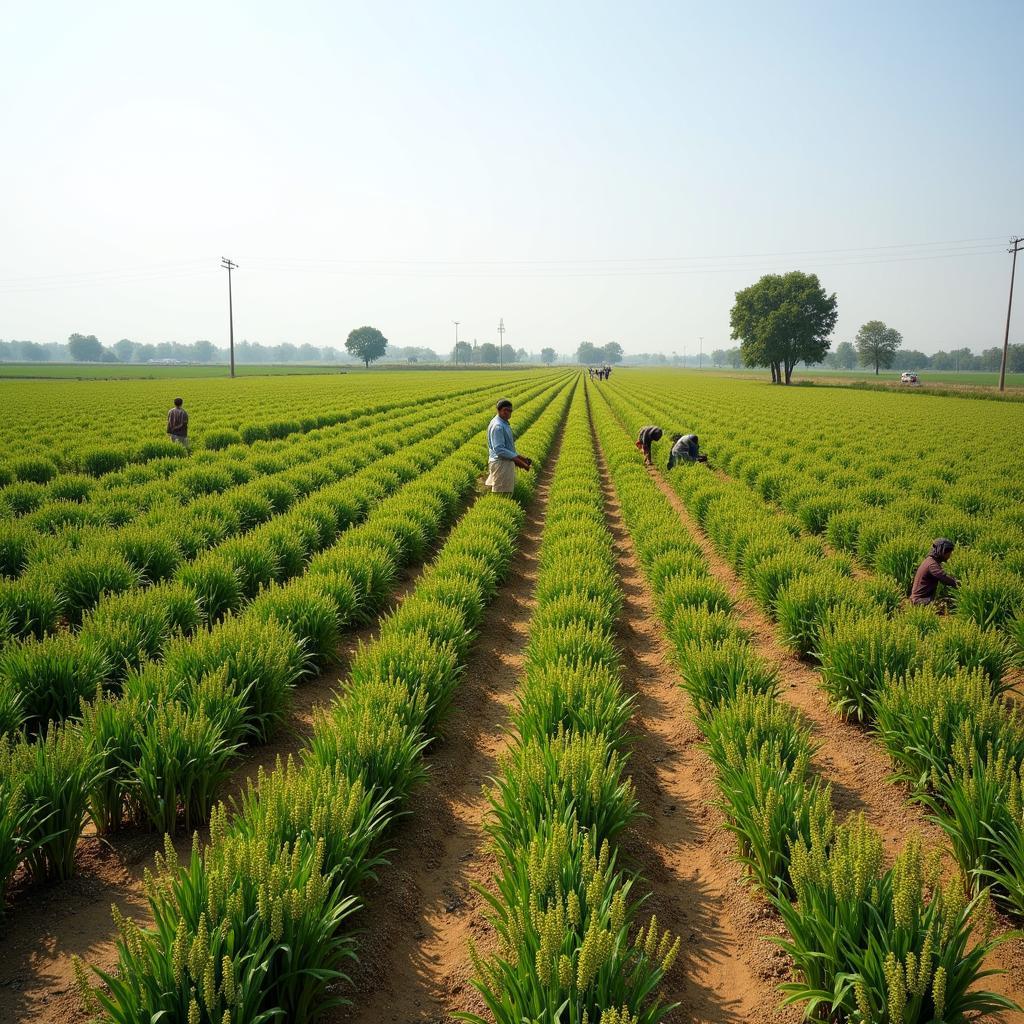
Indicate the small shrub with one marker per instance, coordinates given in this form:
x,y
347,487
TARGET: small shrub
x,y
712,675
30,606
990,597
215,440
303,608
33,469
97,461
215,583
59,771
857,654
15,547
52,676
85,576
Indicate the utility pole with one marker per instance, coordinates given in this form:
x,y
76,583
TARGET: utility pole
x,y
501,343
456,322
229,266
1015,242
700,364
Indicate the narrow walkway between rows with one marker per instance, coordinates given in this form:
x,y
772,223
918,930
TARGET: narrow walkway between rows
x,y
419,918
727,969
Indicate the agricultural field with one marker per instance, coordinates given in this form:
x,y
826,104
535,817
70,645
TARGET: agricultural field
x,y
300,724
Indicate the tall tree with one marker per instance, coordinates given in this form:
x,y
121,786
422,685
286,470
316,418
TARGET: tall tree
x,y
366,343
488,352
612,352
588,352
463,352
85,348
846,356
124,350
547,356
783,319
877,344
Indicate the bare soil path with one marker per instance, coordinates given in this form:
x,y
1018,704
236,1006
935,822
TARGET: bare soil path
x,y
48,924
849,758
727,970
414,955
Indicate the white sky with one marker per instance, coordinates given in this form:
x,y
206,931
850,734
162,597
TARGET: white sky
x,y
588,171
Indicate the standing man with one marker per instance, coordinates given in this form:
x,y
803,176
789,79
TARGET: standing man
x,y
502,457
930,573
177,423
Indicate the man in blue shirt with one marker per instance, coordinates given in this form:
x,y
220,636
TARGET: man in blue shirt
x,y
502,457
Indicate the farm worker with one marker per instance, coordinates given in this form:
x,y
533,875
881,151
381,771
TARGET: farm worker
x,y
685,448
502,457
930,573
177,423
647,436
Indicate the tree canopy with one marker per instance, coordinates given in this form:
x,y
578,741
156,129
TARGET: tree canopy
x,y
846,356
85,348
588,352
782,320
877,344
366,343
547,356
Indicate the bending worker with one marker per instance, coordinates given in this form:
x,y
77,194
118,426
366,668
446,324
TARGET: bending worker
x,y
930,573
685,448
647,436
502,457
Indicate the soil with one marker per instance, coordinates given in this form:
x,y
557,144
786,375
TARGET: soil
x,y
848,758
728,969
47,924
418,922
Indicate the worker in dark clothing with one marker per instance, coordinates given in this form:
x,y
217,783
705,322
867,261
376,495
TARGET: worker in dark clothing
x,y
648,435
685,448
930,573
177,423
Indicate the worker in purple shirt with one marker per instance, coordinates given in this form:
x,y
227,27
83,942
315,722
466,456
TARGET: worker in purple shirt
x,y
930,573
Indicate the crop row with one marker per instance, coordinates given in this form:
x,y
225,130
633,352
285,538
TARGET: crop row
x,y
156,752
43,676
74,502
881,506
94,427
564,910
905,671
255,926
868,942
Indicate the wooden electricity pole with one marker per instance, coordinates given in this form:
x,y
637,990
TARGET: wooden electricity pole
x,y
229,266
1015,242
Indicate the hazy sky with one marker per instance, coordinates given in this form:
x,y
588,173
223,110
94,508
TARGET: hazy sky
x,y
597,171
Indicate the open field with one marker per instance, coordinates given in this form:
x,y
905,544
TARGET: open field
x,y
634,745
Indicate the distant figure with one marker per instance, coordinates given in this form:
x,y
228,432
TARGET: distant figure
x,y
685,448
930,573
502,457
590,370
177,423
648,435
607,372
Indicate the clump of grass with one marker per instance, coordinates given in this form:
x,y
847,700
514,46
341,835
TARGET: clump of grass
x,y
52,676
858,653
